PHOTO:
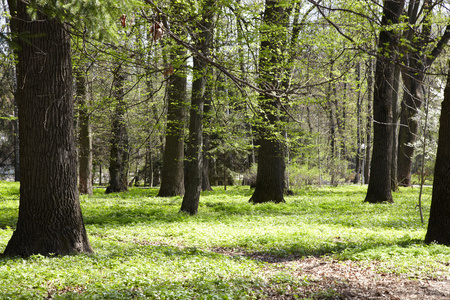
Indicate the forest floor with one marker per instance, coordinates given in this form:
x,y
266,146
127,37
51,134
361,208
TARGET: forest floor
x,y
333,279
323,243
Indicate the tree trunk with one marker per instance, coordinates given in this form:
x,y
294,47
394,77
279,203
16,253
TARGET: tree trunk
x,y
412,101
368,148
206,184
50,220
118,163
271,165
439,221
16,143
172,174
194,155
194,165
379,189
85,137
359,126
395,115
270,172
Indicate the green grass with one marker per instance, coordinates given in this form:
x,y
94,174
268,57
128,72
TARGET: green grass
x,y
144,248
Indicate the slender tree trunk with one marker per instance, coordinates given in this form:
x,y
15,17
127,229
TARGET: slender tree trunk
x,y
206,184
85,136
118,164
368,146
359,126
379,189
439,221
417,59
395,115
50,220
412,101
16,142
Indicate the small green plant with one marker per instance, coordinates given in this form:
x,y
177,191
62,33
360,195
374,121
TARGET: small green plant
x,y
145,249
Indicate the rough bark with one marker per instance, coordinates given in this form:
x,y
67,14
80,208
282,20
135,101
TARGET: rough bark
x,y
379,189
85,137
50,220
194,159
119,153
16,144
439,221
172,174
368,150
271,163
194,156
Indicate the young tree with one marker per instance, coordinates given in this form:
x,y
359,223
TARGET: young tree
x,y
439,221
50,219
379,189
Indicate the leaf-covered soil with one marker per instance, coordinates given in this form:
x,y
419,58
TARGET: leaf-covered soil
x,y
326,278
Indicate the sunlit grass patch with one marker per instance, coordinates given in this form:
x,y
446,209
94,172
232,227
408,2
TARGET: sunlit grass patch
x,y
145,248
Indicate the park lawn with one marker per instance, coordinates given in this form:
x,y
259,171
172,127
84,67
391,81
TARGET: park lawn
x,y
144,248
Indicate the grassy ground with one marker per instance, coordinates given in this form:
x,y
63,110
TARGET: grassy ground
x,y
144,248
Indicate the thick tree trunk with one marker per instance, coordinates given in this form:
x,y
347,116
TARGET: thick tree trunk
x,y
194,156
85,137
379,189
270,172
439,221
50,219
194,164
271,165
119,153
172,174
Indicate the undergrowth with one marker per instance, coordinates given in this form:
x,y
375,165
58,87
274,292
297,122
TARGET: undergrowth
x,y
145,248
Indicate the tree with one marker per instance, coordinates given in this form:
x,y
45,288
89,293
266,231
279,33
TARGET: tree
x,y
439,222
418,58
50,219
172,175
85,135
194,155
271,164
379,189
119,153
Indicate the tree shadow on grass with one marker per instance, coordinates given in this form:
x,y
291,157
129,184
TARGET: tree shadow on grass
x,y
264,281
339,250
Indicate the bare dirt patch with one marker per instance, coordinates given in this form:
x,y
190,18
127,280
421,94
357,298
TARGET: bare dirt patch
x,y
326,278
